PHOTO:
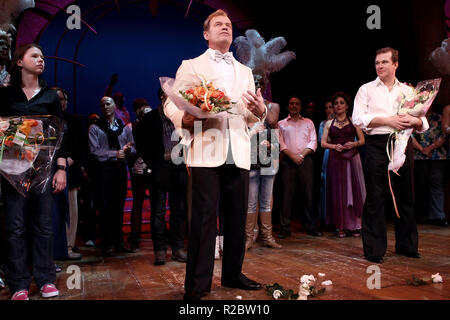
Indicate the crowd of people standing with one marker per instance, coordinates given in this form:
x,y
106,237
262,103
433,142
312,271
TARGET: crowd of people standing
x,y
262,148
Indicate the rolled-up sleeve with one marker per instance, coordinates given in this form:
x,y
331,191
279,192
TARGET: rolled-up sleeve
x,y
425,125
282,142
312,143
361,116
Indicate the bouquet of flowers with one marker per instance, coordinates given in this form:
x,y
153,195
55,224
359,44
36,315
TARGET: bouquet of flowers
x,y
198,96
27,147
415,104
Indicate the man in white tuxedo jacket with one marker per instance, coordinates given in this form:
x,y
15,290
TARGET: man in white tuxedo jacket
x,y
219,160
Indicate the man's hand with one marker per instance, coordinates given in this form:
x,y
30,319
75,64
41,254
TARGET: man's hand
x,y
120,154
254,102
69,161
404,121
297,159
397,122
127,147
266,144
413,122
59,181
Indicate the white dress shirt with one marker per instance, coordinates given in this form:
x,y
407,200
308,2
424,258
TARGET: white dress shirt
x,y
226,71
375,100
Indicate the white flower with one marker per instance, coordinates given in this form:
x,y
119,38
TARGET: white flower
x,y
304,290
300,297
239,297
307,279
4,125
417,111
403,111
436,278
321,274
409,96
327,283
277,294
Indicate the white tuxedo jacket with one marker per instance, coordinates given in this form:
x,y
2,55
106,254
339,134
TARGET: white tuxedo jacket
x,y
208,145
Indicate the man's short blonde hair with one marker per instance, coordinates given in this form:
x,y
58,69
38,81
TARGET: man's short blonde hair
x,y
216,13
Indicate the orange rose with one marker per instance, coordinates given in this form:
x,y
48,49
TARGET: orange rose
x,y
199,92
217,94
193,101
30,122
9,141
29,155
206,107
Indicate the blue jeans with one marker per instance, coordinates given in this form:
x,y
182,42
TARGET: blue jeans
x,y
260,189
29,238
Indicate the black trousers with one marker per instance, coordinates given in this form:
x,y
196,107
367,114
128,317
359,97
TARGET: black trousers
x,y
139,184
168,179
112,194
29,237
231,183
429,181
295,177
379,199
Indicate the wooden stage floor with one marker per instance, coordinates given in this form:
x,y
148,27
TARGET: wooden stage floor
x,y
134,277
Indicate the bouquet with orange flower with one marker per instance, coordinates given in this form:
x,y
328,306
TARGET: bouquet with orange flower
x,y
197,96
207,98
27,148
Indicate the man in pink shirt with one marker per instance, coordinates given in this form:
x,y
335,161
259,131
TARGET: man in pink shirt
x,y
298,140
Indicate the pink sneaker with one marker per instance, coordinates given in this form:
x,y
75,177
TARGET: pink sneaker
x,y
20,295
49,290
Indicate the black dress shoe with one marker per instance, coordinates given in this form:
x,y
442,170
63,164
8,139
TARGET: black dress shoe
x,y
375,259
284,234
314,232
179,255
243,283
408,254
160,258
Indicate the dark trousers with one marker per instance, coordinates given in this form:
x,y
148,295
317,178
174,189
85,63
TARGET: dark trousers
x,y
379,198
28,237
167,178
113,192
60,217
89,203
139,183
231,183
295,178
429,181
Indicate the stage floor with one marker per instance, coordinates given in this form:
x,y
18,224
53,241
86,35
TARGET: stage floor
x,y
134,277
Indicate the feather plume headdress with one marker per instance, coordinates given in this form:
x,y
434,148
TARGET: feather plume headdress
x,y
440,57
263,58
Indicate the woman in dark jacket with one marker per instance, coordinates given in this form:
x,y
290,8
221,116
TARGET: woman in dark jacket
x,y
29,95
